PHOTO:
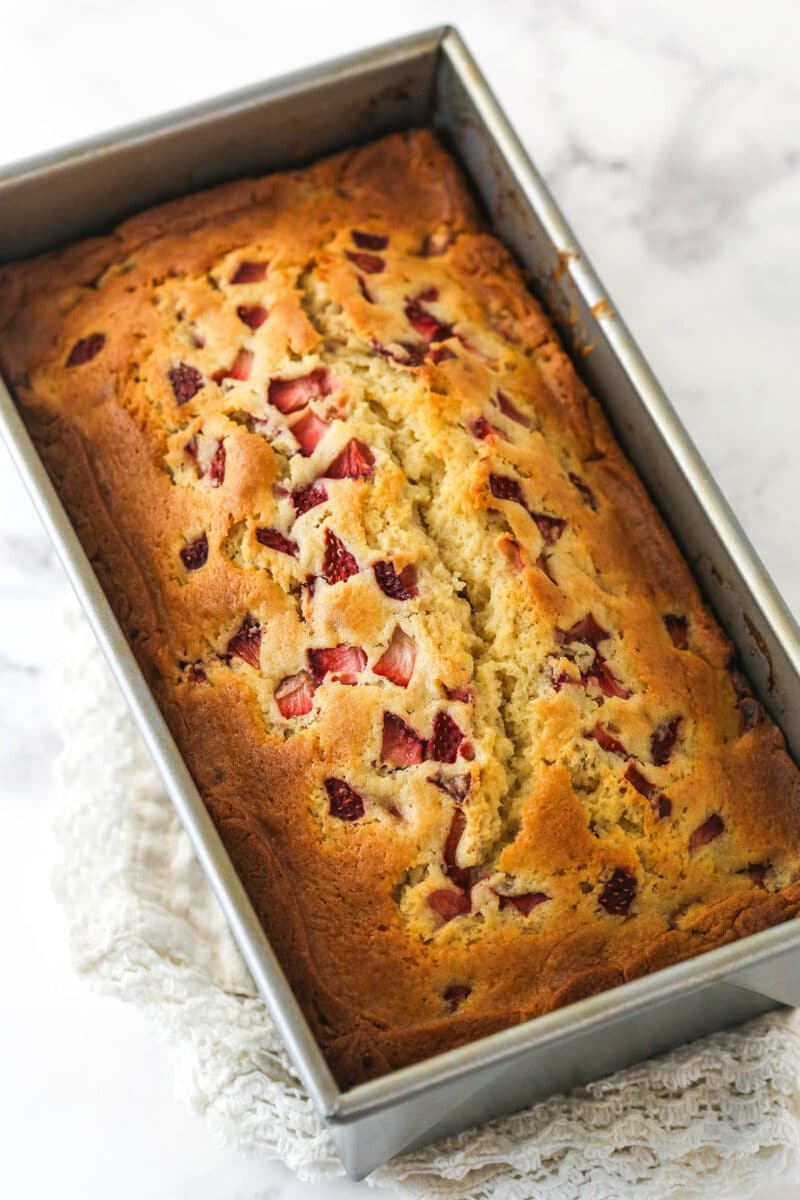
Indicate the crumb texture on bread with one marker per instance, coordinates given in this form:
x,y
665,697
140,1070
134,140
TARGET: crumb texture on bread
x,y
443,678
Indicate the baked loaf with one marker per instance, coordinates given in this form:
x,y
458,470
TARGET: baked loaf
x,y
443,679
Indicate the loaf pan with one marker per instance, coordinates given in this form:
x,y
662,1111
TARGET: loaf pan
x,y
430,79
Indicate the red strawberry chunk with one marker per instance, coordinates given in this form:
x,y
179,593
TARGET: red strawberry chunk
x,y
396,587
586,630
246,644
242,365
85,349
355,461
276,541
678,630
459,875
338,563
196,672
369,241
253,315
607,741
584,490
601,673
455,995
525,903
447,737
186,382
662,805
249,272
345,662
508,410
370,264
619,892
309,431
481,429
662,743
365,292
456,786
290,395
344,803
424,322
294,695
405,353
195,554
308,497
464,694
448,903
503,487
401,745
551,528
706,832
440,354
216,468
397,661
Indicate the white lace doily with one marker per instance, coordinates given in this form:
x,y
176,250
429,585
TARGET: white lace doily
x,y
722,1113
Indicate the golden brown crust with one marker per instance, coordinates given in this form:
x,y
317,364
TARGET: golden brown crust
x,y
568,790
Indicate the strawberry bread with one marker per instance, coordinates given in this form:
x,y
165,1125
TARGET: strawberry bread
x,y
475,745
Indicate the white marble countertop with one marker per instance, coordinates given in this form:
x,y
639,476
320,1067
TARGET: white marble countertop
x,y
671,135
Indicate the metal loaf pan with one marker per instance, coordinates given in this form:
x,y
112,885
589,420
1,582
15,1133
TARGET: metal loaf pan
x,y
430,79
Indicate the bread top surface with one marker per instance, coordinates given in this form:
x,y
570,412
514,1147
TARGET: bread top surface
x,y
441,674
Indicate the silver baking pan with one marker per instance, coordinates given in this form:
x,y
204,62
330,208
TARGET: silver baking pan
x,y
430,79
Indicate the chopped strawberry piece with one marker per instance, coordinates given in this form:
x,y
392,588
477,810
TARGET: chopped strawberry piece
x,y
619,892
343,661
308,497
196,672
584,490
706,832
459,875
480,428
191,447
186,382
464,694
430,294
447,737
440,354
290,395
757,872
310,583
456,786
525,903
467,750
396,587
678,630
216,468
607,741
274,540
85,349
448,903
551,528
455,995
253,315
338,563
195,554
369,241
249,272
424,322
198,341
503,487
401,745
294,695
355,461
508,410
242,365
662,805
344,803
397,661
405,353
601,673
246,644
662,743
370,264
365,292
309,431
586,630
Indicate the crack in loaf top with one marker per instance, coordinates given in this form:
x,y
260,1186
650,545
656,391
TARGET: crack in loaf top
x,y
445,683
